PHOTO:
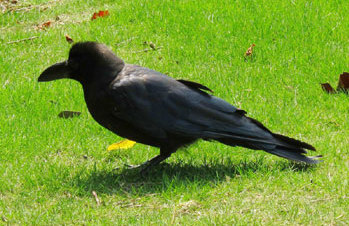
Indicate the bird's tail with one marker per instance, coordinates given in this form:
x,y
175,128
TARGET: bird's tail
x,y
273,143
294,150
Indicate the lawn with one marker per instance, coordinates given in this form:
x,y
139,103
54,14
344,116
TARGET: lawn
x,y
49,166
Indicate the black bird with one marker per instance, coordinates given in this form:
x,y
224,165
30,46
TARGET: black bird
x,y
154,109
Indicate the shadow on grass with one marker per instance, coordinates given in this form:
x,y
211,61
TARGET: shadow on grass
x,y
175,175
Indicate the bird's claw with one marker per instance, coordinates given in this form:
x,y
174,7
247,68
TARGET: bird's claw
x,y
143,168
133,166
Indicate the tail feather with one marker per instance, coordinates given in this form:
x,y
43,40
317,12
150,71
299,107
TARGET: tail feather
x,y
294,155
288,140
276,144
288,148
293,142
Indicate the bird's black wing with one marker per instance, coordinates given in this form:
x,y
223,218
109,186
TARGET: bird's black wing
x,y
159,105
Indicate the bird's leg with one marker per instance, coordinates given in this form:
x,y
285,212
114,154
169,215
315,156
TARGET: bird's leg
x,y
153,162
146,166
165,152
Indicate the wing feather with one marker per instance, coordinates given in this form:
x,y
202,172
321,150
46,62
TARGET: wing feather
x,y
158,104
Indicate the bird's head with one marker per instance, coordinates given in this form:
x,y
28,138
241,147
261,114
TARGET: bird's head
x,y
87,62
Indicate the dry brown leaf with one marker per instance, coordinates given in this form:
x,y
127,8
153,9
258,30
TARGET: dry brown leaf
x,y
343,82
249,51
69,39
327,88
68,114
101,13
44,25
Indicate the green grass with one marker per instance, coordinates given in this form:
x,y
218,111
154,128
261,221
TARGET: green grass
x,y
45,178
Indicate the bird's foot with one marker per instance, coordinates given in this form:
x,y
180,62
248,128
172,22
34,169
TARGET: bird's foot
x,y
128,166
143,168
147,165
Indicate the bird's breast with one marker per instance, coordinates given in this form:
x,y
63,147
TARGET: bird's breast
x,y
99,105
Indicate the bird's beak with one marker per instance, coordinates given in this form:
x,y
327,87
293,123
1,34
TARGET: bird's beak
x,y
54,72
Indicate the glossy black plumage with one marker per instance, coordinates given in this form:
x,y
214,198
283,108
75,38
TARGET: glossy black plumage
x,y
154,109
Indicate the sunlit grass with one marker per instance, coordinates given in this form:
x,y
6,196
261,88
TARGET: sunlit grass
x,y
49,166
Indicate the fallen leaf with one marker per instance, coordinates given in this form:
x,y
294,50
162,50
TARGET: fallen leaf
x,y
44,25
101,13
249,51
94,16
327,88
68,114
69,39
343,82
125,144
96,198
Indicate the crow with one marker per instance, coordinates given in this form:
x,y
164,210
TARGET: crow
x,y
151,108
